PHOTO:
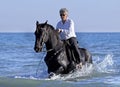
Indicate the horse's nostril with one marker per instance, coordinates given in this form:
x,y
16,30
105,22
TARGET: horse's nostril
x,y
36,49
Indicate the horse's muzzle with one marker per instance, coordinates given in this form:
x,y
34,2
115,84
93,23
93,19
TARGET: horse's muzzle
x,y
38,49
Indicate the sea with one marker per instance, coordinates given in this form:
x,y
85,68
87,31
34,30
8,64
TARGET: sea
x,y
21,66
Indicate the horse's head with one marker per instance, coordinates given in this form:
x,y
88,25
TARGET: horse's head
x,y
41,35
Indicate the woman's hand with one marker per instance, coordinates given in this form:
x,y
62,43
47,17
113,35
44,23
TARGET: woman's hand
x,y
59,30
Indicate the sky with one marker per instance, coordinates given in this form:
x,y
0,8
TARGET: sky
x,y
88,15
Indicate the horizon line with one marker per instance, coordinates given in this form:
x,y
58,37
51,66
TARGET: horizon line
x,y
75,32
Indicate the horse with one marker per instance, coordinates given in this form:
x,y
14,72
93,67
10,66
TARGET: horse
x,y
59,52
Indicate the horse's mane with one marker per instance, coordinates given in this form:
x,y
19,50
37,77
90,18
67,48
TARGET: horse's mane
x,y
51,26
54,31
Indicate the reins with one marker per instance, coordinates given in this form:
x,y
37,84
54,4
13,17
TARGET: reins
x,y
52,50
43,41
47,51
37,70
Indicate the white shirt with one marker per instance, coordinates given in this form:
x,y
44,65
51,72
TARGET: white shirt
x,y
67,29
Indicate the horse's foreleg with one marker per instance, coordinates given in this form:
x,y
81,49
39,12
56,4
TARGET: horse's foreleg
x,y
57,72
60,70
63,62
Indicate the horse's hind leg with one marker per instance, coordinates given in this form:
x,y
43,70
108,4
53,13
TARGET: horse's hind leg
x,y
88,57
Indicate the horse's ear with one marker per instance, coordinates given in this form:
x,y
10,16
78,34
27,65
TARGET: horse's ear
x,y
37,22
46,21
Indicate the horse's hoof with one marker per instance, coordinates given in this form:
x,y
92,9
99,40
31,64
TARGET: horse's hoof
x,y
79,66
51,75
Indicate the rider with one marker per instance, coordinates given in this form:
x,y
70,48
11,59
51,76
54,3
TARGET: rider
x,y
66,29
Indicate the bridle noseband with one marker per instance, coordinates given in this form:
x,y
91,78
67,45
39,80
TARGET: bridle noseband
x,y
45,32
43,38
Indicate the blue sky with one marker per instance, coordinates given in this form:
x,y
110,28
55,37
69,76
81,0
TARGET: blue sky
x,y
88,15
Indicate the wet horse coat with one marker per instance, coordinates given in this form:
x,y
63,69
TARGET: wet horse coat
x,y
60,58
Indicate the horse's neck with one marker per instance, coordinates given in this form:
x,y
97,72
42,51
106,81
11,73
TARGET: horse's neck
x,y
53,41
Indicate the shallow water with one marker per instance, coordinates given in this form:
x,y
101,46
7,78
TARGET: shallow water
x,y
20,66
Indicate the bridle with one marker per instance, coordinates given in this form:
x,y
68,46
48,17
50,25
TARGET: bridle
x,y
43,38
43,41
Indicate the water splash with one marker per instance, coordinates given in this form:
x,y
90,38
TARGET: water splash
x,y
88,70
106,65
99,66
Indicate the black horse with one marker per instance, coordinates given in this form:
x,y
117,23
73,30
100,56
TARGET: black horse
x,y
59,52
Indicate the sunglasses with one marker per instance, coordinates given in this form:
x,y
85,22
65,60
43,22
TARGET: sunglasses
x,y
62,14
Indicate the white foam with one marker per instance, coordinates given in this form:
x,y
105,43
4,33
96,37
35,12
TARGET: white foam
x,y
85,71
98,66
24,77
104,66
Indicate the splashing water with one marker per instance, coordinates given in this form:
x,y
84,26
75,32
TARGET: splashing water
x,y
106,65
88,70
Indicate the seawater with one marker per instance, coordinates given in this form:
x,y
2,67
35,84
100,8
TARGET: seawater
x,y
20,66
